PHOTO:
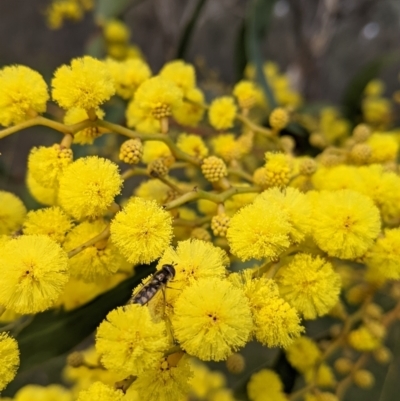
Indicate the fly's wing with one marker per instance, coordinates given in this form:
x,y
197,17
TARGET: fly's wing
x,y
139,287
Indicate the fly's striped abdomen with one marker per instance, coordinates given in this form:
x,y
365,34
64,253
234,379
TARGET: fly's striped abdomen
x,y
159,279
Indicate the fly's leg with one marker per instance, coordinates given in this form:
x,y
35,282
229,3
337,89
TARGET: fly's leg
x,y
166,318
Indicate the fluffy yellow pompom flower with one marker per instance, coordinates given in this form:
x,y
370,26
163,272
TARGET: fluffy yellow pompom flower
x,y
9,357
259,231
168,381
323,378
88,187
128,75
141,119
310,285
34,272
153,189
158,97
295,204
204,380
181,74
60,10
23,94
46,164
12,213
116,31
226,146
85,84
87,135
100,392
129,341
51,221
45,196
192,109
345,223
277,171
142,230
363,340
278,119
246,94
265,385
384,148
192,145
222,113
384,256
96,261
34,392
153,150
277,323
194,260
303,354
212,327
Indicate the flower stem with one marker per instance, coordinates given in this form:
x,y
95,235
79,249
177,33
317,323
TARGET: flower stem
x,y
103,235
255,127
178,153
196,194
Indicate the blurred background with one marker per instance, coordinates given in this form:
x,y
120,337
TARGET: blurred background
x,y
328,49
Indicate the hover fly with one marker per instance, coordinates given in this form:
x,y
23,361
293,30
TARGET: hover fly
x,y
159,280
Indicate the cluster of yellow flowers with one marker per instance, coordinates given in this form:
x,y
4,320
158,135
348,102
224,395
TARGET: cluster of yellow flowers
x,y
259,239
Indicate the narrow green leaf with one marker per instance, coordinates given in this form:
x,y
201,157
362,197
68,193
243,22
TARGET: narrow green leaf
x,y
353,94
107,9
240,52
96,47
258,19
188,29
54,333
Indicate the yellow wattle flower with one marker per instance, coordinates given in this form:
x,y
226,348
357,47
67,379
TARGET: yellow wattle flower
x,y
85,84
34,272
12,213
88,186
142,231
345,223
222,113
23,94
9,357
127,347
212,328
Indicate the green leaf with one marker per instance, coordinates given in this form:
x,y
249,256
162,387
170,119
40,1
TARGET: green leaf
x,y
54,333
108,9
353,94
188,29
240,52
258,19
96,46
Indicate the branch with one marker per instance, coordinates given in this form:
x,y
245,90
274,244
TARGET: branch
x,y
103,235
178,153
46,122
196,194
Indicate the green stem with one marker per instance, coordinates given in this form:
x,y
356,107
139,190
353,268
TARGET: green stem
x,y
39,120
196,194
301,392
191,223
177,153
173,350
103,235
240,173
167,181
255,127
133,171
